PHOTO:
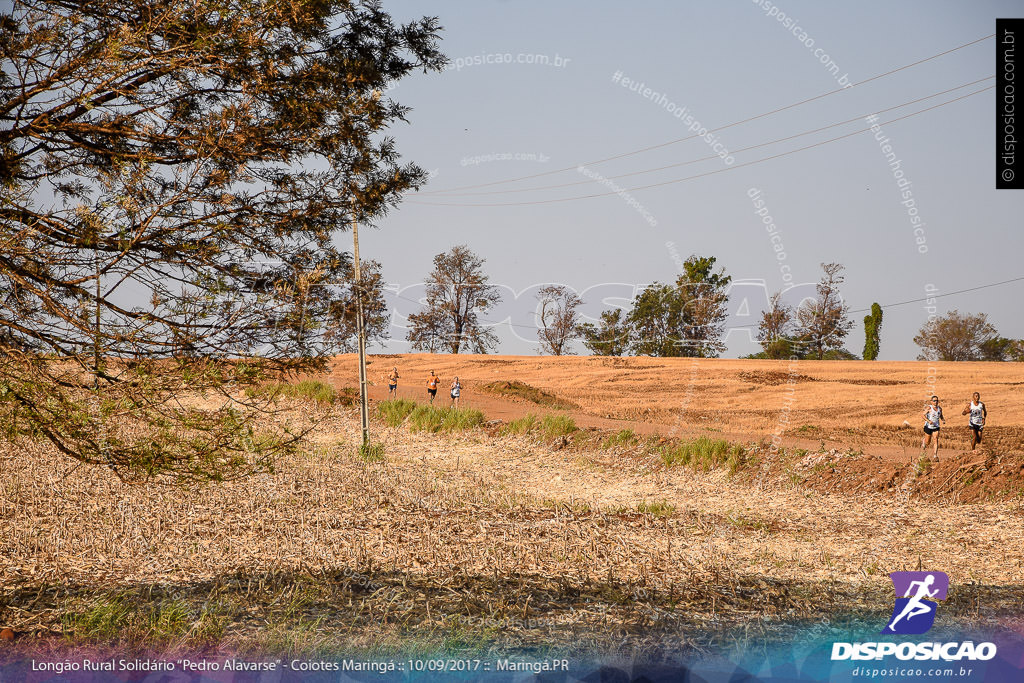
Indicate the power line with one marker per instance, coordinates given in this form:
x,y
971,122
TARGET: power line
x,y
720,128
937,296
716,156
708,173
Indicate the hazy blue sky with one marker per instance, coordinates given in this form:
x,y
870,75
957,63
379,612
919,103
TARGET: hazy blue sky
x,y
724,61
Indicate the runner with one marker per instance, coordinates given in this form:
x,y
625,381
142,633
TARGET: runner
x,y
432,385
932,416
393,383
456,390
977,411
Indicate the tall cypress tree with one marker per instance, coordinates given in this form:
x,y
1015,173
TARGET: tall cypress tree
x,y
872,331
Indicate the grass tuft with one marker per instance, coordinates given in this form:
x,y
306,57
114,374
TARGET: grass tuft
x,y
523,425
426,418
705,453
371,452
621,439
656,508
394,412
554,426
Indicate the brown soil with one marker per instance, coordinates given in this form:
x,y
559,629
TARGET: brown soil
x,y
818,405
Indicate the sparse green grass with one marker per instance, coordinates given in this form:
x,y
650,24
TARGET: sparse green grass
x,y
394,412
656,508
461,419
523,425
427,418
577,507
371,452
549,426
621,439
705,453
803,429
309,389
111,617
747,523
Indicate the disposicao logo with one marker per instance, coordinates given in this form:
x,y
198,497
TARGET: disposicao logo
x,y
914,614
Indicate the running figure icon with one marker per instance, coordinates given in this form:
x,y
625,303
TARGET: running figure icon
x,y
914,612
914,605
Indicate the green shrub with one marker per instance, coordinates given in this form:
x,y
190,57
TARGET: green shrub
x,y
710,452
394,412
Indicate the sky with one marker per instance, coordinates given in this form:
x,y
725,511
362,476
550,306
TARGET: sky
x,y
573,90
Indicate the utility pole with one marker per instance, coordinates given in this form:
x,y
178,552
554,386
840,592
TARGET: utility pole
x,y
360,332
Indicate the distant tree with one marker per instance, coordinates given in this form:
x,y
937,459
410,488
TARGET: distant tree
x,y
1002,349
872,331
457,291
705,294
955,337
429,331
655,322
340,321
559,318
610,337
995,349
823,321
840,354
774,332
687,319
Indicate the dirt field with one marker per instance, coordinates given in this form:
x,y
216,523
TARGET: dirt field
x,y
480,541
858,405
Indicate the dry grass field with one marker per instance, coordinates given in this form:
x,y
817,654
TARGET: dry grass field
x,y
567,539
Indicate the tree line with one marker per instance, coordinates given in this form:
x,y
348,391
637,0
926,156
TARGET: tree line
x,y
684,318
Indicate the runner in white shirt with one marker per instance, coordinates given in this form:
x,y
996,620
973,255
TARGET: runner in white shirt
x,y
456,392
932,417
978,413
